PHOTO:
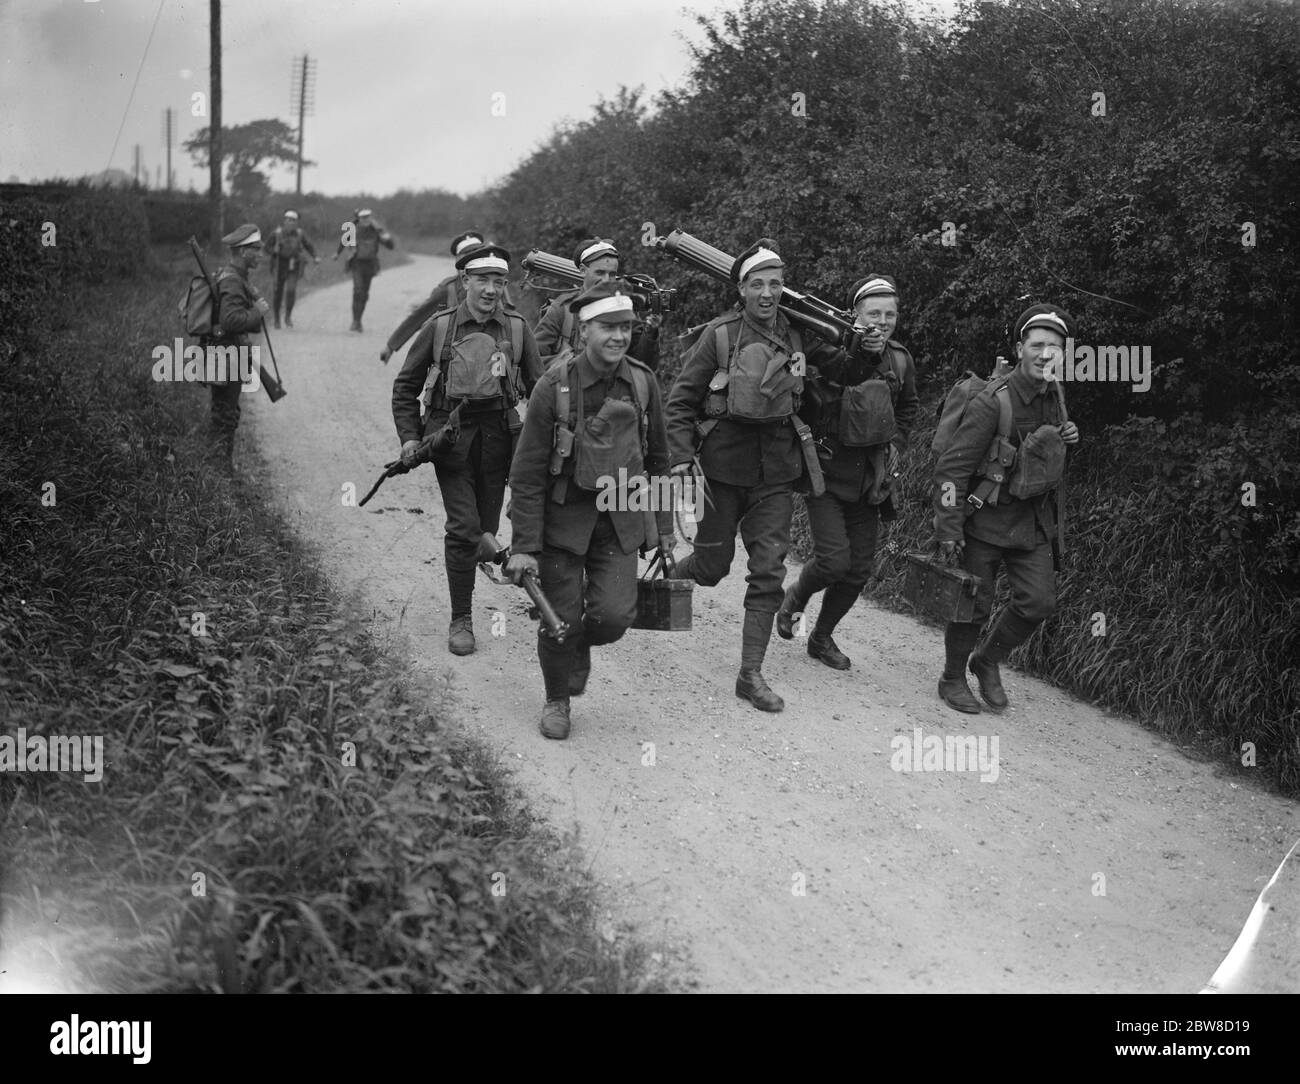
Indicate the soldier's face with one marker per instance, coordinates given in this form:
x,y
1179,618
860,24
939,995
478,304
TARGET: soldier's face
x,y
484,291
1039,347
761,292
879,312
603,270
608,340
251,255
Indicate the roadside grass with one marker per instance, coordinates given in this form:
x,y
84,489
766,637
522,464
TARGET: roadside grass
x,y
280,810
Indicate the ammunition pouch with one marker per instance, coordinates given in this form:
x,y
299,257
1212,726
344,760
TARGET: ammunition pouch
x,y
608,441
1040,463
994,471
867,415
480,368
760,386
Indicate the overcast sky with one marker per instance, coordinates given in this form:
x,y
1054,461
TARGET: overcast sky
x,y
404,89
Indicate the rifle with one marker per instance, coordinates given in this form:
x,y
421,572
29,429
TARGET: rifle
x,y
490,551
274,388
432,445
1058,540
812,313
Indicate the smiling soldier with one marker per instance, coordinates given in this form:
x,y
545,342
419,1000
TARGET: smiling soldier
x,y
1015,421
470,366
593,417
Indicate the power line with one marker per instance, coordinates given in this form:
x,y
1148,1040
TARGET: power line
x,y
138,70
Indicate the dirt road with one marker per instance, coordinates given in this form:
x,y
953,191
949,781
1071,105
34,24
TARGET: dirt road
x,y
785,852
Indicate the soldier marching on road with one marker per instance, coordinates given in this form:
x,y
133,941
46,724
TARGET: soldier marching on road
x,y
241,311
557,328
1015,422
471,366
591,417
366,236
739,392
286,246
870,407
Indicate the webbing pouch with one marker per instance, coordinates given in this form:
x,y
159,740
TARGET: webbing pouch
x,y
867,415
610,440
476,368
1040,464
761,387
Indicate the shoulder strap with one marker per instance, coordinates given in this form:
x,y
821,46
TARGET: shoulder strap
x,y
1003,394
568,326
722,344
641,393
562,400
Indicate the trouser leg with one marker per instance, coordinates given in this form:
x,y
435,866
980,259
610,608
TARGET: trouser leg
x,y
861,522
765,530
290,294
224,419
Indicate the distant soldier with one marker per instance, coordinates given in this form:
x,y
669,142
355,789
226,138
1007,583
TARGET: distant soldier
x,y
286,246
367,236
557,328
1013,524
607,409
870,406
739,392
447,294
471,366
240,312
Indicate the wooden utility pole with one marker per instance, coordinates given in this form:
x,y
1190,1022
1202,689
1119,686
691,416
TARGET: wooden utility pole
x,y
217,227
302,90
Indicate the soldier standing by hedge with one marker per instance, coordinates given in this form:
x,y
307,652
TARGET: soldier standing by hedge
x,y
557,328
738,390
241,311
470,365
586,556
1016,523
364,261
287,244
871,406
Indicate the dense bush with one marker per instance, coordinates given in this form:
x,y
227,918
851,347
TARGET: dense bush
x,y
1111,156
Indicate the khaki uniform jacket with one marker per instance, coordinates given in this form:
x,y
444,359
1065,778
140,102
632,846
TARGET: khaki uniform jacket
x,y
237,312
735,453
409,382
1011,523
851,473
537,520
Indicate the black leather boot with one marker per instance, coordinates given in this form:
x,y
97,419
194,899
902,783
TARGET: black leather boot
x,y
958,639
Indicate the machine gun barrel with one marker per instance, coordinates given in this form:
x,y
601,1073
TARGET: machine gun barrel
x,y
544,263
820,317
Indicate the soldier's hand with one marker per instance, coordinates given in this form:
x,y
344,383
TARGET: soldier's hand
x,y
1070,433
409,448
262,305
667,542
385,354
951,551
520,565
873,339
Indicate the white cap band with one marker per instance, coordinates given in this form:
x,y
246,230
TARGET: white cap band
x,y
363,211
763,255
617,303
592,251
488,263
873,286
290,214
1048,319
254,238
473,241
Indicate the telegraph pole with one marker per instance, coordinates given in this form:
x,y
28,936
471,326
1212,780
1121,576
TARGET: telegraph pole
x,y
303,76
214,140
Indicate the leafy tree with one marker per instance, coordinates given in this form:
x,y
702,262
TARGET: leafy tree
x,y
246,147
